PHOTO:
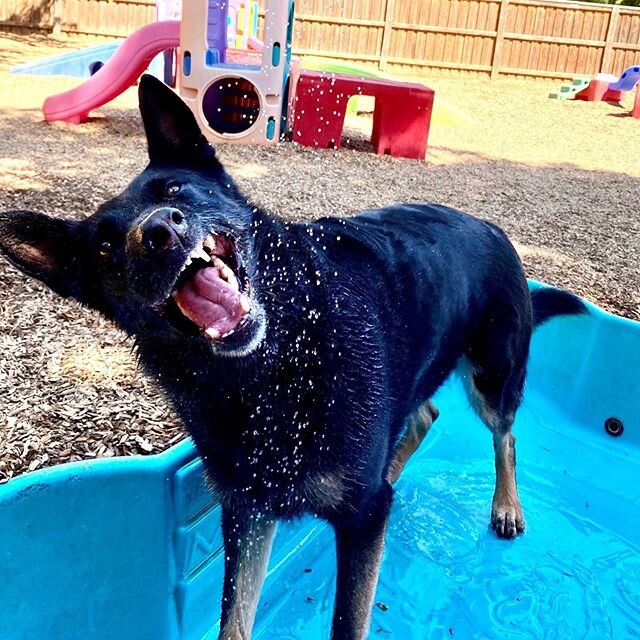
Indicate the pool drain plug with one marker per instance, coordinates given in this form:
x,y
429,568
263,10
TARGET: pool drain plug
x,y
613,427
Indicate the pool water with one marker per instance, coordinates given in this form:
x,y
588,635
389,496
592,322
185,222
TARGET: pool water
x,y
131,548
575,573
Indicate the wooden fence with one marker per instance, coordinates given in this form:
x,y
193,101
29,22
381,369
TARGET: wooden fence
x,y
544,38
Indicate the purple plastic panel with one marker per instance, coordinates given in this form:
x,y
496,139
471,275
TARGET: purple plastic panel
x,y
217,27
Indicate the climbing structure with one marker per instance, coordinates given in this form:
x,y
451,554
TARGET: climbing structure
x,y
236,95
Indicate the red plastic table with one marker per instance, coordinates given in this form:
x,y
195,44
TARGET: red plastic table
x,y
401,117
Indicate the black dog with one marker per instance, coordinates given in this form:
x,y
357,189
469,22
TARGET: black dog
x,y
301,357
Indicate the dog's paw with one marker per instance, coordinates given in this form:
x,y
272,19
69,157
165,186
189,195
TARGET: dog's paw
x,y
507,520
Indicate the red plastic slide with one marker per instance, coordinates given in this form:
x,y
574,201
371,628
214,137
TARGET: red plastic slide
x,y
126,65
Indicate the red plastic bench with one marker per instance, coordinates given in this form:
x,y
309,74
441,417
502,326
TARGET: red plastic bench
x,y
401,117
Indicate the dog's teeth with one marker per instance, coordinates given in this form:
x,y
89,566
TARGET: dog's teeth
x,y
209,243
226,272
245,303
212,332
199,252
228,333
229,276
188,262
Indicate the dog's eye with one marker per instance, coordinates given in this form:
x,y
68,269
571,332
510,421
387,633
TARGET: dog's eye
x,y
105,249
172,189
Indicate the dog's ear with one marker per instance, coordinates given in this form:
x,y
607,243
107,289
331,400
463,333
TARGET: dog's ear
x,y
43,247
173,135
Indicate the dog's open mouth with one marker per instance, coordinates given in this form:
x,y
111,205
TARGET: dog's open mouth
x,y
212,290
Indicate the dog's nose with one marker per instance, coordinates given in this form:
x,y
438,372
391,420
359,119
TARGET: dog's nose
x,y
163,229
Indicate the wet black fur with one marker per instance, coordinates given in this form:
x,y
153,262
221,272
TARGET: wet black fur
x,y
365,318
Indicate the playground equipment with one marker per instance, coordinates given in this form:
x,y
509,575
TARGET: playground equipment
x,y
599,90
603,87
244,95
77,64
238,96
401,117
635,112
242,25
443,113
83,63
627,80
331,65
123,69
593,89
242,20
131,548
168,10
568,91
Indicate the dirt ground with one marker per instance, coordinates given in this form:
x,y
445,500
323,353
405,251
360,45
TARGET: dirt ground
x,y
562,178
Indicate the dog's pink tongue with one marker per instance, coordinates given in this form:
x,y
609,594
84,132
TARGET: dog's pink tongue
x,y
211,302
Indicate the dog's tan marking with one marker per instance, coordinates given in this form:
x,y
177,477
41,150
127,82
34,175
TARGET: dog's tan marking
x,y
244,577
506,511
33,253
135,237
418,426
362,582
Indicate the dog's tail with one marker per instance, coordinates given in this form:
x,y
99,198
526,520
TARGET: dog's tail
x,y
548,302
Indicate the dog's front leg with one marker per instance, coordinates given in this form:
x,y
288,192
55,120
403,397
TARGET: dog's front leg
x,y
359,545
248,536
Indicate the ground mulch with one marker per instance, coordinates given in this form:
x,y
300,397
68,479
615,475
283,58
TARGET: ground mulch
x,y
562,178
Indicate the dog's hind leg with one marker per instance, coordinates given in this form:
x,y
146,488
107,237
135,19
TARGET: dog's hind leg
x,y
247,545
418,426
359,545
494,382
506,511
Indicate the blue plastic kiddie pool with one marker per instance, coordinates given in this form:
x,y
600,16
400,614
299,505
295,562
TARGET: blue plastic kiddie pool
x,y
130,548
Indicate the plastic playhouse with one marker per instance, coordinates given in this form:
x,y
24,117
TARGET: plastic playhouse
x,y
603,87
249,90
131,548
237,95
